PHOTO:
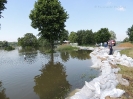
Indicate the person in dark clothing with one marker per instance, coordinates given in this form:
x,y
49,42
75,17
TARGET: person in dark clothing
x,y
110,49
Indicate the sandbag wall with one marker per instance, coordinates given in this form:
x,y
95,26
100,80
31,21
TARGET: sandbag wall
x,y
105,85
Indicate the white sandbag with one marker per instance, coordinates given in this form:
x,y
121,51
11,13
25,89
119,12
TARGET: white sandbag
x,y
90,85
87,92
112,93
97,86
78,96
95,65
121,80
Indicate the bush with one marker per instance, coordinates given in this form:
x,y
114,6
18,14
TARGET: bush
x,y
9,48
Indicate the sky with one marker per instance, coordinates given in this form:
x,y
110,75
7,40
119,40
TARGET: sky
x,y
116,15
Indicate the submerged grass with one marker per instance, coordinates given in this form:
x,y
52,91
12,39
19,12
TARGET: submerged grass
x,y
127,73
66,47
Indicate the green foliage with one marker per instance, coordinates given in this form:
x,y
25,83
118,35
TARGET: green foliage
x,y
73,37
126,39
86,36
43,42
113,35
130,33
14,44
64,36
102,35
9,48
2,6
80,36
3,44
49,17
28,40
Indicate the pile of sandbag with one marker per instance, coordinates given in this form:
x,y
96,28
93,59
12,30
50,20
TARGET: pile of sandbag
x,y
104,85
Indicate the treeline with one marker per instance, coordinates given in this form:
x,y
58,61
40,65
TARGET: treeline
x,y
88,37
8,45
130,35
82,37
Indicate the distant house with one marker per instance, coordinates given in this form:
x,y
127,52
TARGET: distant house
x,y
66,42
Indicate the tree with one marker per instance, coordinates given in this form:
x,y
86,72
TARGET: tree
x,y
49,17
126,39
64,36
28,40
88,37
43,42
80,36
73,37
102,35
130,33
113,35
2,6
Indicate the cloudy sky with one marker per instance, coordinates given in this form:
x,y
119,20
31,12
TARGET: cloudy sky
x,y
116,15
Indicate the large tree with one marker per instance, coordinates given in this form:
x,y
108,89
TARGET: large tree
x,y
130,33
102,35
64,36
49,17
2,7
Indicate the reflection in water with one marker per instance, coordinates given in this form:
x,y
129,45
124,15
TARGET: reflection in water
x,y
2,92
80,54
29,55
64,56
52,83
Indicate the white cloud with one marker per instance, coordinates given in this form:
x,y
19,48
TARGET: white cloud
x,y
121,8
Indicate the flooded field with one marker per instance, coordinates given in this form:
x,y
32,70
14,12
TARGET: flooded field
x,y
43,76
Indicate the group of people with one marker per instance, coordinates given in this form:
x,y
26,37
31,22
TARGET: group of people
x,y
110,45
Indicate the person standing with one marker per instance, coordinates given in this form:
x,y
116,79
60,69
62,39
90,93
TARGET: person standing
x,y
110,48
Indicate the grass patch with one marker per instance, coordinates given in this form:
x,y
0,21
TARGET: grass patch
x,y
66,47
128,52
127,73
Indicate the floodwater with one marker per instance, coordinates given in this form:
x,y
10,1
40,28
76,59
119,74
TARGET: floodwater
x,y
43,76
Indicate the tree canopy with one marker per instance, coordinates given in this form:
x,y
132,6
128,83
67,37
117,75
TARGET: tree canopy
x,y
64,36
49,17
102,35
85,37
130,33
28,40
73,37
2,6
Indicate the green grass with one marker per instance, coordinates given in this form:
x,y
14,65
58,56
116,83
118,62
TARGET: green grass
x,y
127,73
128,52
66,47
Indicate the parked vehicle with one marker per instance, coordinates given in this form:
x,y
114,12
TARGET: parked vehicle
x,y
113,42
